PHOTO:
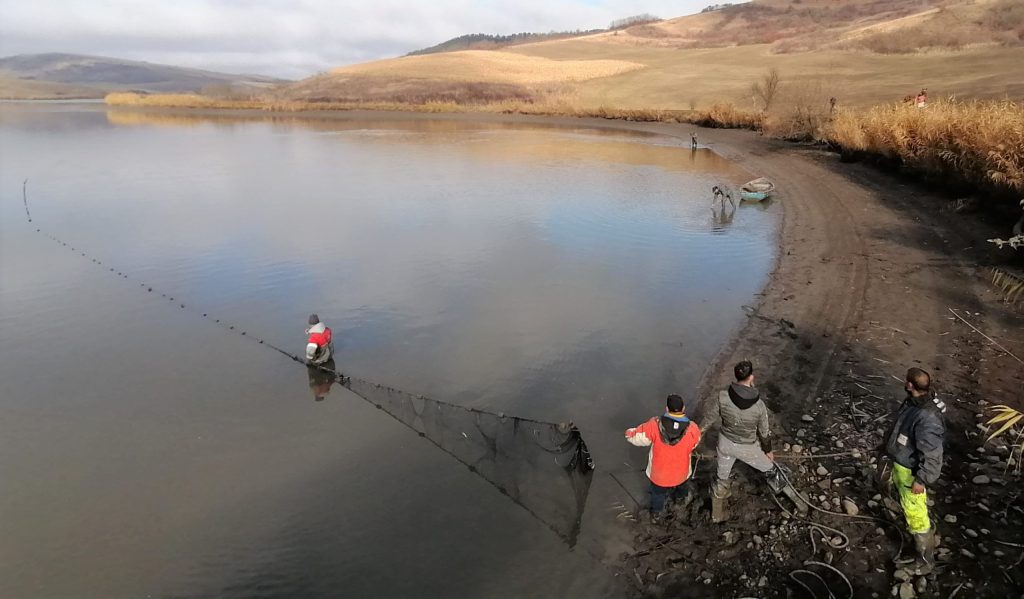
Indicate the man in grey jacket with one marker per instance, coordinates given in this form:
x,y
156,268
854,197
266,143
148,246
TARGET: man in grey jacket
x,y
915,446
744,436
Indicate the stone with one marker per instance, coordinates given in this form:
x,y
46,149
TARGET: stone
x,y
985,531
762,582
950,518
967,554
840,444
981,479
786,447
824,484
807,418
801,433
998,553
850,507
872,503
821,471
797,448
877,497
971,533
907,591
901,574
921,585
758,540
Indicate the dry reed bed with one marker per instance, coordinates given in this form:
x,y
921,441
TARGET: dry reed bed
x,y
977,143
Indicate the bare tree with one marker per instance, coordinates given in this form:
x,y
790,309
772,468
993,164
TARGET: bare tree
x,y
767,88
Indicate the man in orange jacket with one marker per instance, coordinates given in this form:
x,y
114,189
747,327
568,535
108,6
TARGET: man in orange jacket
x,y
672,438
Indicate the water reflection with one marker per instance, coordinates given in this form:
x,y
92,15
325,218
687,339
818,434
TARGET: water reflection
x,y
321,378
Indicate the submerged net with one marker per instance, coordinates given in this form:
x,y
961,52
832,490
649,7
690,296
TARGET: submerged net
x,y
543,467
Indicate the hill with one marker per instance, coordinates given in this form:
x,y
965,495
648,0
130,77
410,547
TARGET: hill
x,y
79,76
859,51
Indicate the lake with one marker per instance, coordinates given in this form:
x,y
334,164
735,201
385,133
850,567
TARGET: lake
x,y
546,272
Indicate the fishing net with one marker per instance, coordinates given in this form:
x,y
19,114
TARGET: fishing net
x,y
543,467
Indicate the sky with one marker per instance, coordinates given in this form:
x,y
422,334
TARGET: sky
x,y
289,38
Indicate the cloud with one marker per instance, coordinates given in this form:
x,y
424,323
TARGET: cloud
x,y
289,38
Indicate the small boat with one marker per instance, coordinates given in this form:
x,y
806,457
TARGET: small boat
x,y
757,190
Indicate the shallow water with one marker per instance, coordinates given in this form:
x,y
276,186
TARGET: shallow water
x,y
551,273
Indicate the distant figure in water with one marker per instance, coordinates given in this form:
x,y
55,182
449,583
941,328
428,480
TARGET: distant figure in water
x,y
319,347
693,141
922,99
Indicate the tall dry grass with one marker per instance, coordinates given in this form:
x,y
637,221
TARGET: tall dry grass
x,y
977,143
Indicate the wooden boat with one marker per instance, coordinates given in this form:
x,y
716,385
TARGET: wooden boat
x,y
757,190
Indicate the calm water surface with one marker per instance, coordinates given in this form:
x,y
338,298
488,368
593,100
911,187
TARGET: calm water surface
x,y
551,273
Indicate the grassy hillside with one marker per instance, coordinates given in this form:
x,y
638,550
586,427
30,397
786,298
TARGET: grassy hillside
x,y
862,52
74,75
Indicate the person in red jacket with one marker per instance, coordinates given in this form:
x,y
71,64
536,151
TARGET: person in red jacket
x,y
319,346
672,439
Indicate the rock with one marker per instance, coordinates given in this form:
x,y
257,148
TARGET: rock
x,y
981,479
967,554
950,518
786,447
850,507
807,418
907,591
824,484
921,585
822,471
985,531
840,444
800,433
797,448
849,470
902,574
729,537
835,501
762,582
872,503
877,497
998,553
706,575
971,533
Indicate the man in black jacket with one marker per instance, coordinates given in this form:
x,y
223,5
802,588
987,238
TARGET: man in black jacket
x,y
915,446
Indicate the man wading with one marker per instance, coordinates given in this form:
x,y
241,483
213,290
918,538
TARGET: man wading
x,y
320,345
745,436
915,446
671,438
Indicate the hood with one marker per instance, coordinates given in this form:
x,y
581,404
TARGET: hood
x,y
317,328
672,427
743,396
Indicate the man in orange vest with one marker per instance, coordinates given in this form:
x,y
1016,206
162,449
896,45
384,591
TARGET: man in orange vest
x,y
672,438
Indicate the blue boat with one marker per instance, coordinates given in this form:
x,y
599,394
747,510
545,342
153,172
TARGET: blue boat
x,y
757,190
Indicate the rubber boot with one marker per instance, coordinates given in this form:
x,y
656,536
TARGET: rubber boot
x,y
719,507
924,543
798,501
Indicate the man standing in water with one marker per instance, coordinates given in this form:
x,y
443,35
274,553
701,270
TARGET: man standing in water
x,y
744,436
915,446
319,346
671,438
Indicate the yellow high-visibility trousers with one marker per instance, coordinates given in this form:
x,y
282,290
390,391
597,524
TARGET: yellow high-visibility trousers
x,y
915,506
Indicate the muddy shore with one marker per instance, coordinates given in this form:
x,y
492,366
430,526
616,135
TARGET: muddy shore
x,y
874,274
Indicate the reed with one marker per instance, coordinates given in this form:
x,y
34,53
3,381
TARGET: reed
x,y
978,144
